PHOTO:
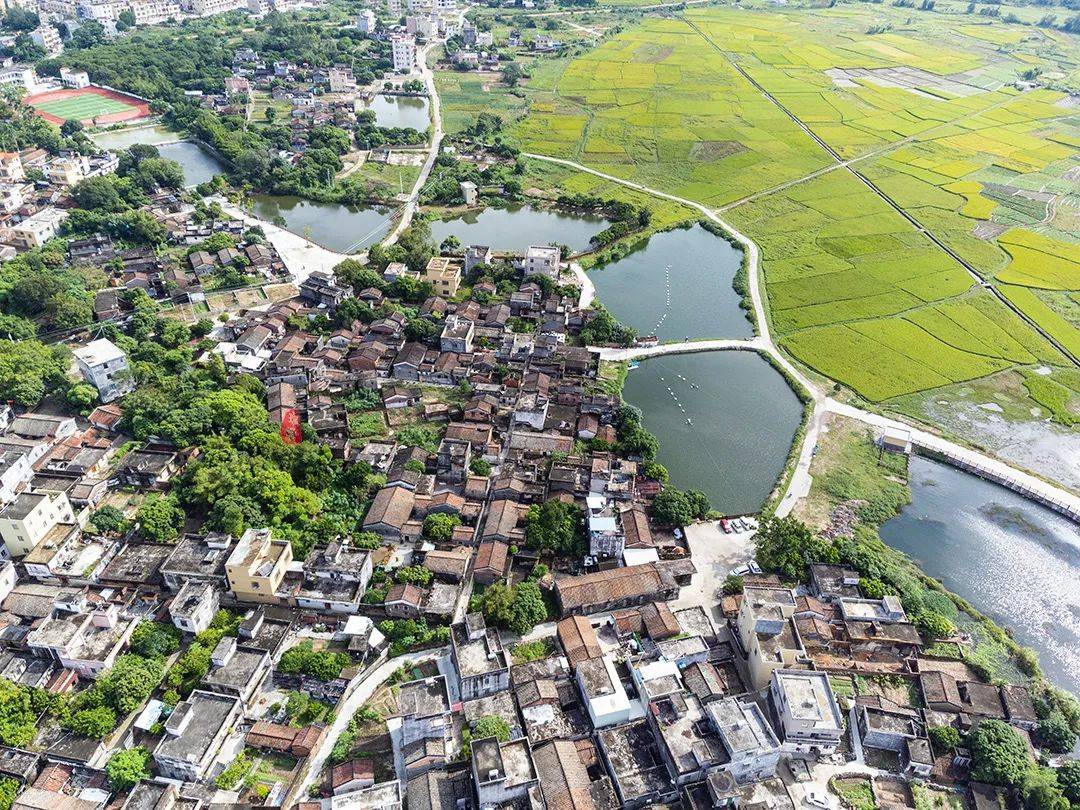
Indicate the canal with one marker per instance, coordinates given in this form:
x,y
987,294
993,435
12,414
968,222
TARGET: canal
x,y
401,111
1015,560
515,227
677,287
742,415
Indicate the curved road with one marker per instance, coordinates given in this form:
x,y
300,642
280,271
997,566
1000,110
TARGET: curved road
x,y
359,691
800,481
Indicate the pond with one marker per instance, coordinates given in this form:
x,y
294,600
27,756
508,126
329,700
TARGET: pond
x,y
1013,559
123,138
677,287
742,417
344,228
199,165
401,111
515,227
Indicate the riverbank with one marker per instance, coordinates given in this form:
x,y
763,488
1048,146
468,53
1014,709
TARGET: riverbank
x,y
857,490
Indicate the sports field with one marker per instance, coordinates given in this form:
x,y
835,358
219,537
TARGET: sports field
x,y
864,262
90,105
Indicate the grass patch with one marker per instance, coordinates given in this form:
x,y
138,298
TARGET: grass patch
x,y
532,650
856,794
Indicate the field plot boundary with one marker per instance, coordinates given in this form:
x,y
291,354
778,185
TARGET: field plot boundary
x,y
132,108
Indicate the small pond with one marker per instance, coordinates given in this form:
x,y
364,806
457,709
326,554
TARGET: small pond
x,y
401,111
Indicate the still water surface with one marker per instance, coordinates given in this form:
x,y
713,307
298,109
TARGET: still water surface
x,y
344,228
401,111
1016,561
742,418
677,286
515,227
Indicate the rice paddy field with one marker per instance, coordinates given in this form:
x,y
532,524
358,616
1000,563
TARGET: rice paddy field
x,y
909,199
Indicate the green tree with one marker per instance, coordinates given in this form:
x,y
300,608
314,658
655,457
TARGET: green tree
x,y
478,466
871,587
108,519
155,639
998,754
439,528
1040,790
29,370
491,726
159,518
733,584
527,608
413,575
787,546
127,768
9,790
1053,733
557,526
129,682
95,723
1068,777
672,508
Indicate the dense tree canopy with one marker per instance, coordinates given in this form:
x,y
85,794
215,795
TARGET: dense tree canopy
x,y
998,754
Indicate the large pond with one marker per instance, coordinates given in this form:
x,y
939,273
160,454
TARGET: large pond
x,y
515,227
344,228
401,111
1013,559
198,164
724,420
677,287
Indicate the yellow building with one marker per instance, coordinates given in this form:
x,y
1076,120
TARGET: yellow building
x,y
444,274
257,566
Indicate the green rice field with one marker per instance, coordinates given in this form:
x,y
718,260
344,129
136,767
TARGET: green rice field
x,y
731,108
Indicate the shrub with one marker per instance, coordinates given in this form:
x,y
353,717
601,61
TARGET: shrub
x,y
944,738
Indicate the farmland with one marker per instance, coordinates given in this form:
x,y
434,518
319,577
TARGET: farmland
x,y
907,199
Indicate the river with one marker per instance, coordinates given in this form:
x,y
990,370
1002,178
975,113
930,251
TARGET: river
x,y
677,287
401,111
515,227
1013,559
744,416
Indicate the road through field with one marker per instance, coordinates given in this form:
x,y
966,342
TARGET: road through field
x,y
799,483
975,275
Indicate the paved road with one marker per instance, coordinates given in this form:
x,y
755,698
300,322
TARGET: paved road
x,y
361,688
686,347
411,204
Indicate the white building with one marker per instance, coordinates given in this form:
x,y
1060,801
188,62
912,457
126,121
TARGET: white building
x,y
11,198
11,167
31,516
207,8
341,80
748,738
67,170
394,6
7,578
35,231
48,38
16,470
809,717
75,79
105,367
194,606
366,21
542,260
194,734
604,695
403,49
19,75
